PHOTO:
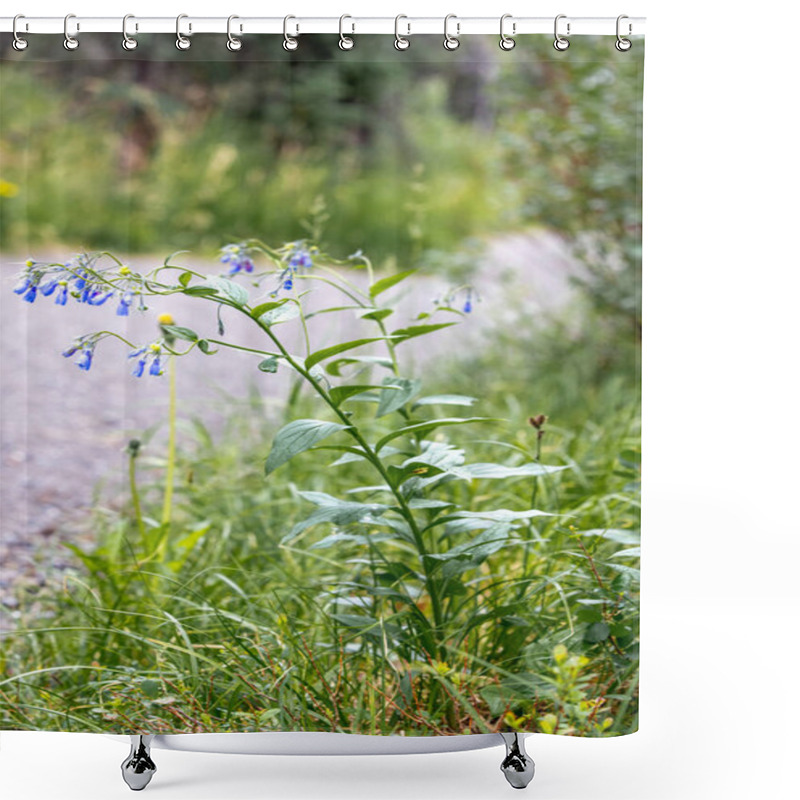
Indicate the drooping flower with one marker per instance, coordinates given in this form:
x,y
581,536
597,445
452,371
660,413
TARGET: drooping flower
x,y
61,297
298,259
125,300
152,353
85,349
468,301
238,257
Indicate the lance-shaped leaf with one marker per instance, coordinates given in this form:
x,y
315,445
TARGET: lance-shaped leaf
x,y
501,514
471,554
390,280
296,437
341,393
397,393
487,470
445,400
327,352
421,428
280,313
403,334
262,308
186,334
332,510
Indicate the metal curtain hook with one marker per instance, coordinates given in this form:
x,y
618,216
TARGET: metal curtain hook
x,y
234,44
560,42
290,42
400,42
181,41
19,43
451,42
346,42
506,42
70,42
128,43
622,44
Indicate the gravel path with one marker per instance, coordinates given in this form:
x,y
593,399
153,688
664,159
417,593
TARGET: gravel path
x,y
63,431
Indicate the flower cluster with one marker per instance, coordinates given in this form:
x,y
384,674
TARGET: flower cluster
x,y
298,259
151,353
238,256
78,279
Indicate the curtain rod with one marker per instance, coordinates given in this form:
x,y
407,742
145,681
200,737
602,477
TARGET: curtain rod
x,y
349,25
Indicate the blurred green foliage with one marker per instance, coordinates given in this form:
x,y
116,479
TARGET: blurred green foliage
x,y
412,152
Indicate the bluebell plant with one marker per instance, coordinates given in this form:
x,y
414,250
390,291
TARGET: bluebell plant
x,y
396,441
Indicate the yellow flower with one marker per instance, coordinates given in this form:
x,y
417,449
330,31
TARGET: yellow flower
x,y
8,189
166,319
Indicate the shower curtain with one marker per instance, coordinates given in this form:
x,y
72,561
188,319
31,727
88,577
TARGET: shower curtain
x,y
320,386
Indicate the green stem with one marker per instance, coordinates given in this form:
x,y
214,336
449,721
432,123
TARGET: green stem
x,y
137,506
372,457
166,513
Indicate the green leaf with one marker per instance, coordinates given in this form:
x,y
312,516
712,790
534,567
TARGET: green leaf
x,y
398,392
341,393
327,352
269,364
296,437
334,368
471,554
262,308
426,427
390,280
355,621
376,314
501,514
205,347
445,400
403,334
332,510
184,278
628,552
486,470
200,290
227,288
614,535
281,313
597,632
186,334
412,469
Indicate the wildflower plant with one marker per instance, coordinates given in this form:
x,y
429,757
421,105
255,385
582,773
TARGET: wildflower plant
x,y
427,540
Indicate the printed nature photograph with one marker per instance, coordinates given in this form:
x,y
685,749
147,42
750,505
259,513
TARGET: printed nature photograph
x,y
320,387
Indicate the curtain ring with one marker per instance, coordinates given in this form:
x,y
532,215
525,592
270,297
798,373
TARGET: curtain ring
x,y
346,42
400,42
233,44
560,42
182,42
70,42
451,42
506,42
289,42
622,44
19,43
128,42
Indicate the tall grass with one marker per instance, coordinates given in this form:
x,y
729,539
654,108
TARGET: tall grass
x,y
238,630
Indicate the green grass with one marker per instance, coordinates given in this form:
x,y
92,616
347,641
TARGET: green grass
x,y
235,629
